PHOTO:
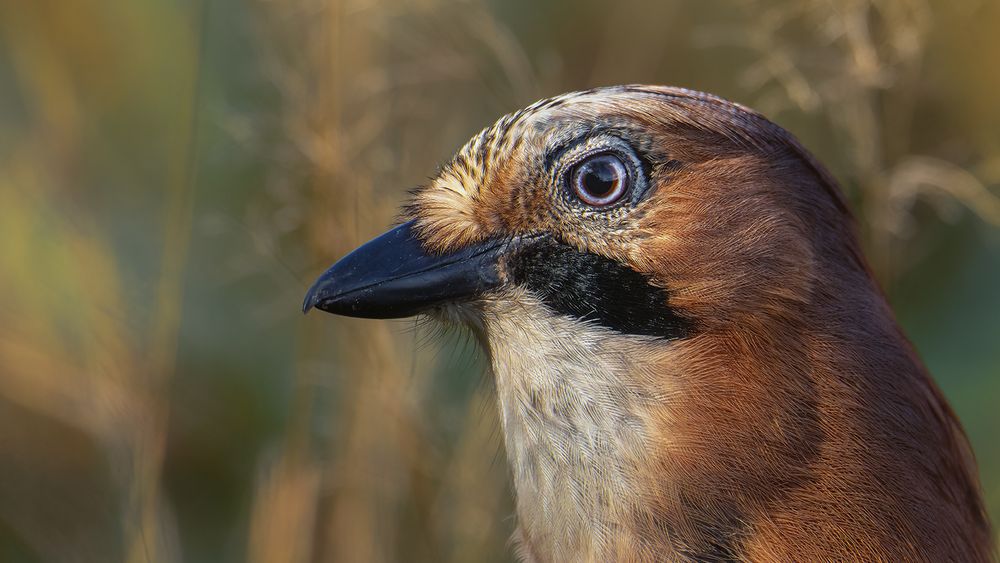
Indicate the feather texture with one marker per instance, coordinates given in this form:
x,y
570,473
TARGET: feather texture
x,y
791,421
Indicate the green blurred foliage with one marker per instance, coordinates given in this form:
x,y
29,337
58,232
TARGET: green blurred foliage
x,y
174,172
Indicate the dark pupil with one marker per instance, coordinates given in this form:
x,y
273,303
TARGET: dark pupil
x,y
600,178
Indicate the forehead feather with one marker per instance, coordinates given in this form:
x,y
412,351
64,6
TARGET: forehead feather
x,y
452,210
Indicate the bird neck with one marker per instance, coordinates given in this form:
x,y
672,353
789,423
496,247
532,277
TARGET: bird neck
x,y
766,440
575,429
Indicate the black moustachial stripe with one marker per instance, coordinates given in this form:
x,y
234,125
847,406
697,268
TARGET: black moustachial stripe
x,y
594,288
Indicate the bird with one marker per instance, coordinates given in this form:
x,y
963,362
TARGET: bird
x,y
692,358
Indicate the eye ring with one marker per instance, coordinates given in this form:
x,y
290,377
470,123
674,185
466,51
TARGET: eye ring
x,y
600,180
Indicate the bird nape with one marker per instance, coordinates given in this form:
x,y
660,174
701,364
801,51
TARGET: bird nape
x,y
692,359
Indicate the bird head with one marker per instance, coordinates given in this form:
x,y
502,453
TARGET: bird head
x,y
648,211
685,338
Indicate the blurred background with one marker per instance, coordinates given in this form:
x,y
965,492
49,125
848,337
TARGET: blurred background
x,y
174,174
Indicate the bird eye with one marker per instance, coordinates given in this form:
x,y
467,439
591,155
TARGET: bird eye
x,y
600,180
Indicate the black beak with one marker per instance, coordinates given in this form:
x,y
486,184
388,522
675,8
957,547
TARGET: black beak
x,y
392,276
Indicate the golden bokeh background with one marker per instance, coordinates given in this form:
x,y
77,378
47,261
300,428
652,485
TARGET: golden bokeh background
x,y
174,173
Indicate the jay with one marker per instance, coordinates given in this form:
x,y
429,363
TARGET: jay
x,y
692,359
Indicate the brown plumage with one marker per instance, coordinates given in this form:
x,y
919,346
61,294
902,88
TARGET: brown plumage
x,y
703,369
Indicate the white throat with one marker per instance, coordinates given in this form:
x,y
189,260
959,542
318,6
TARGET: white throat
x,y
571,412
